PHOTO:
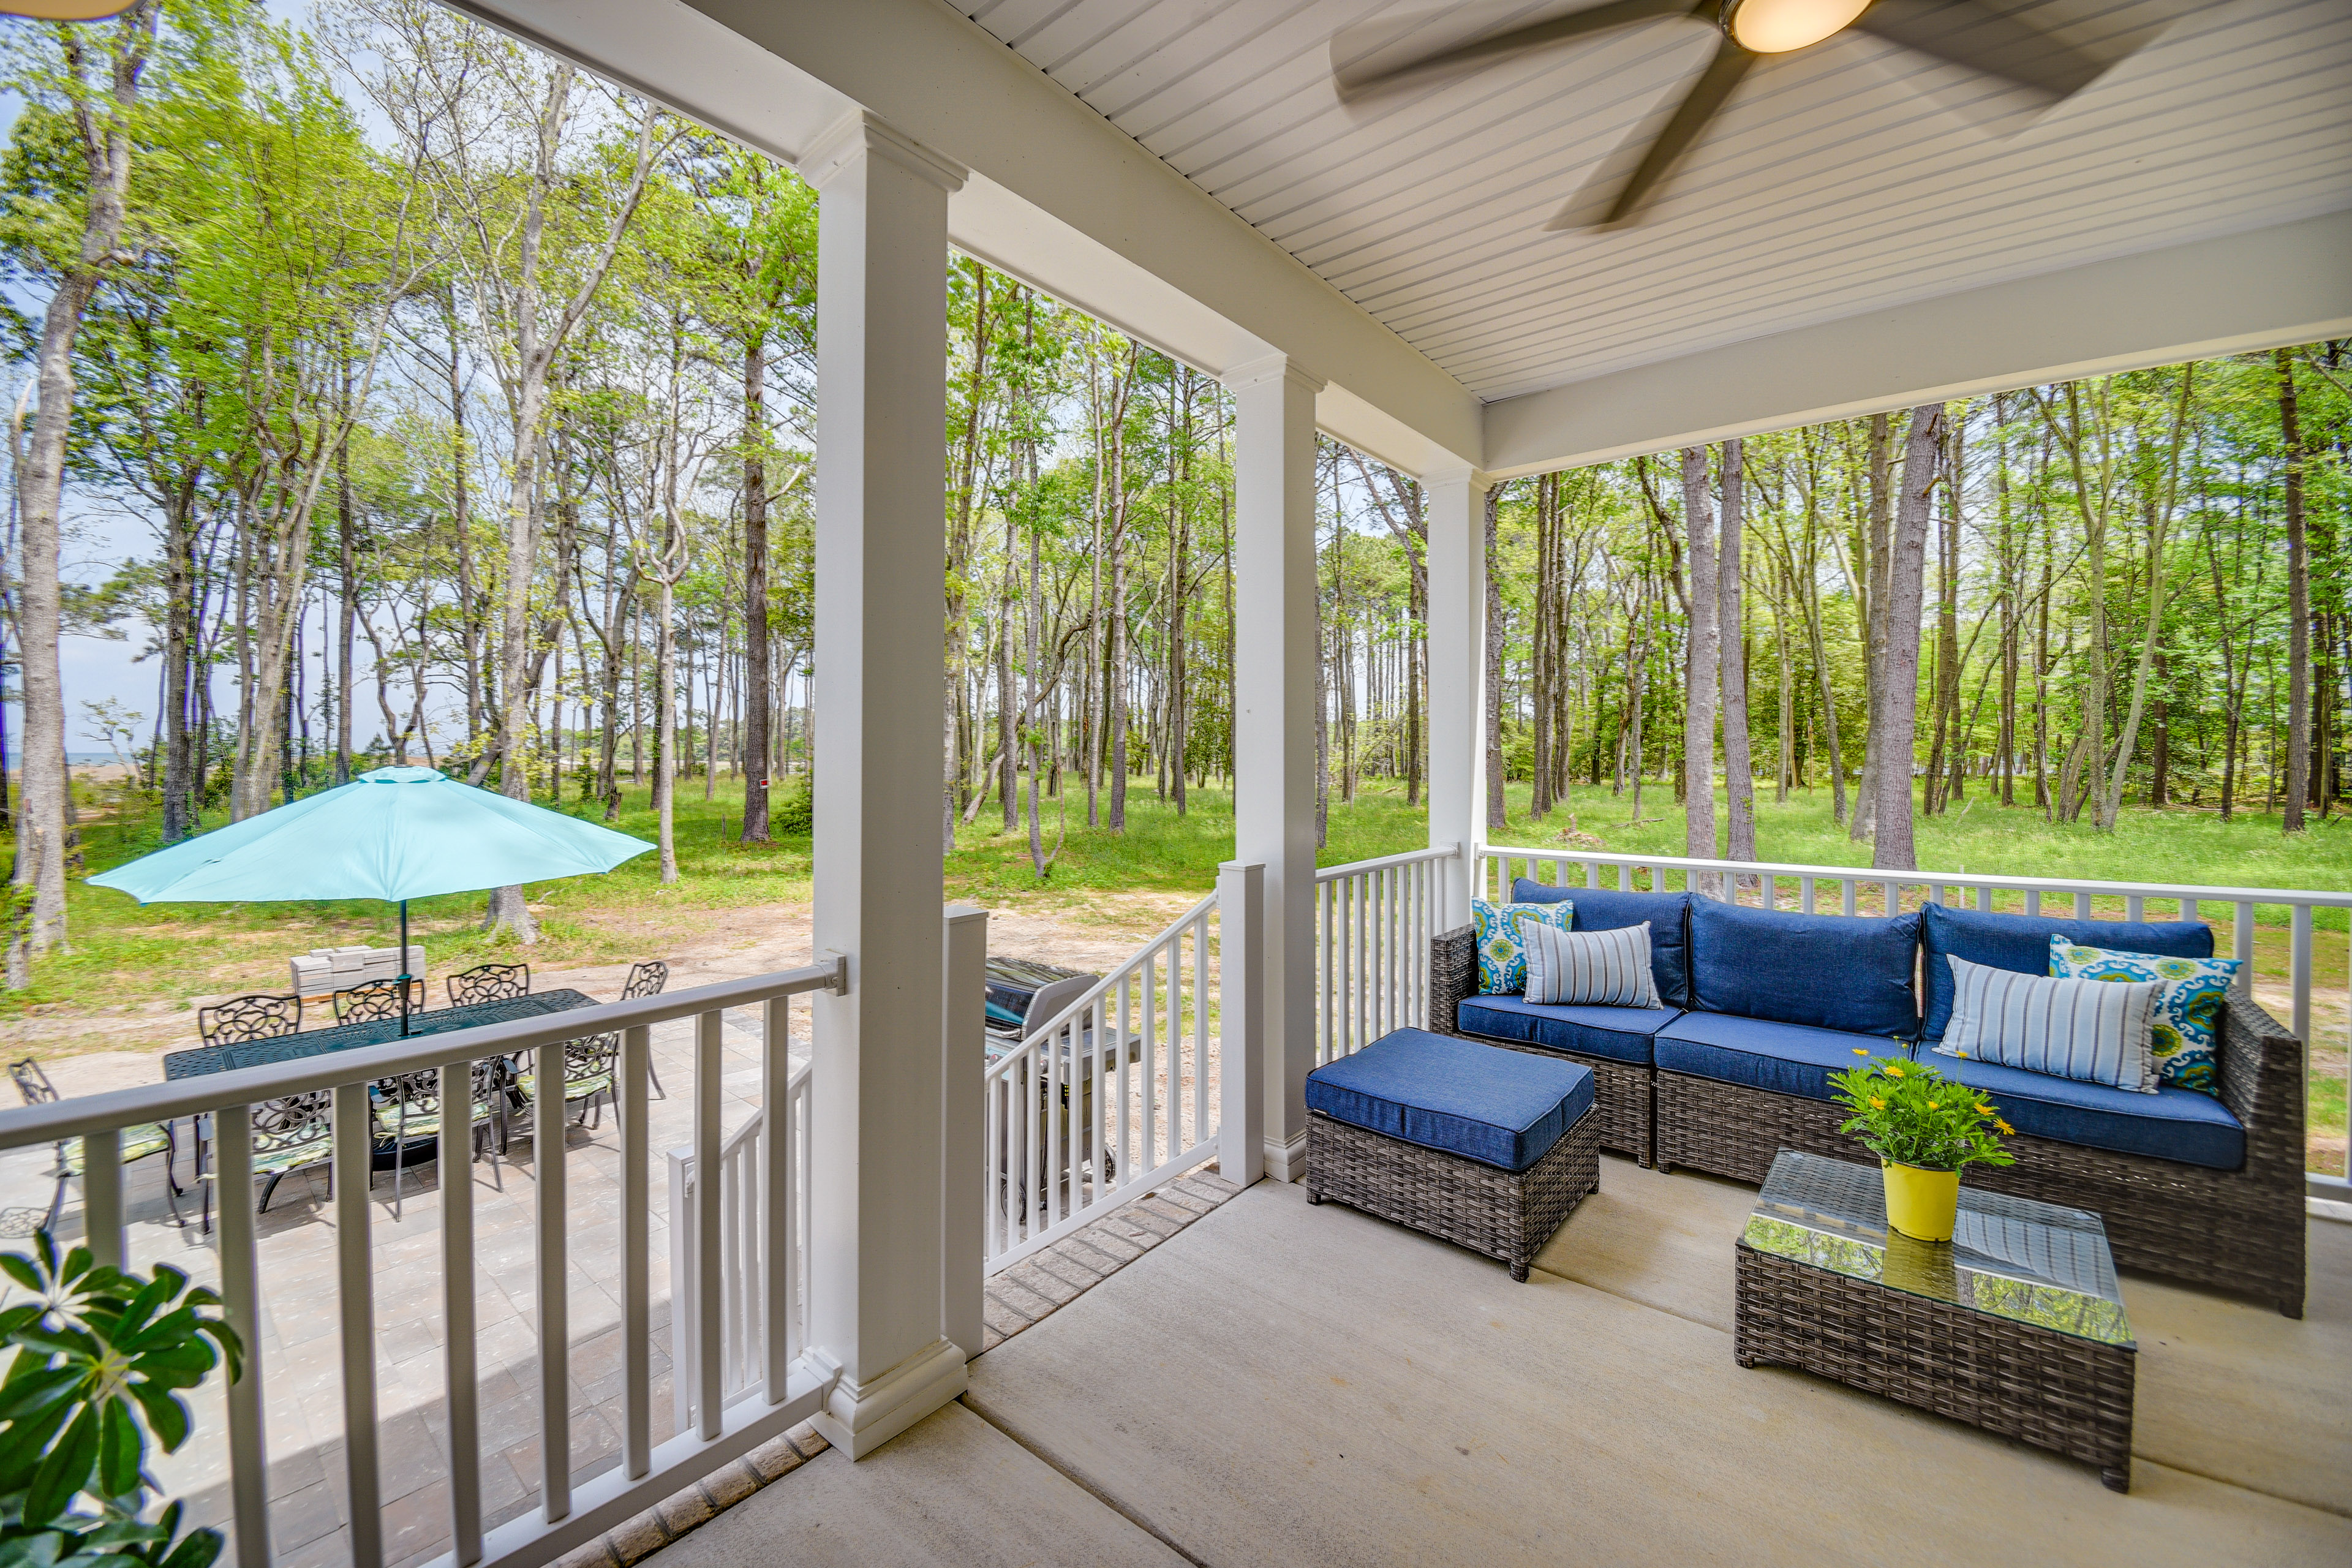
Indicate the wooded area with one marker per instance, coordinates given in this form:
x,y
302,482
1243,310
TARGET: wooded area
x,y
470,403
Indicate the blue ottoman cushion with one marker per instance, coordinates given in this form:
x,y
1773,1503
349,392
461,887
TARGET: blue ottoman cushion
x,y
1606,908
1831,971
1618,1034
1498,1106
2177,1124
2020,943
1786,1058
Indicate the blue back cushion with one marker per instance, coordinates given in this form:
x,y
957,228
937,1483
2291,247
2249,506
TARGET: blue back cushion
x,y
1601,909
1831,971
2022,943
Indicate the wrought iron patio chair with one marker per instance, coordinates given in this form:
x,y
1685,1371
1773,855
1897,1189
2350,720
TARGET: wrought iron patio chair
x,y
647,978
589,1071
291,1134
376,1001
139,1140
256,1017
489,983
409,1106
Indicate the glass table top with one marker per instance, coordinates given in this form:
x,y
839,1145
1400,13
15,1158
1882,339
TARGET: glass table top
x,y
2008,1257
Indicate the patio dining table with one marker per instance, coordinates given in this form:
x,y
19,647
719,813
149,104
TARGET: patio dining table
x,y
201,1059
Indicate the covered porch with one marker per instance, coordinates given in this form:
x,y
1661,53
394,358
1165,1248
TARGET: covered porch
x,y
1277,1382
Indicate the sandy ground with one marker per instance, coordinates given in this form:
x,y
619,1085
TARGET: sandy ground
x,y
701,948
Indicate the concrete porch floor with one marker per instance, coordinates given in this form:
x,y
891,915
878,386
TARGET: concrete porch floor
x,y
1289,1384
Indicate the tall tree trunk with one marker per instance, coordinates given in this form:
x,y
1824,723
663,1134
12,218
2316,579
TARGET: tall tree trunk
x,y
1731,634
101,121
537,343
758,680
1703,653
959,564
1895,729
1873,576
1496,811
182,781
347,597
1547,589
2298,602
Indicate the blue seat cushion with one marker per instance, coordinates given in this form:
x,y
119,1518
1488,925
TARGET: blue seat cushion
x,y
2020,943
1620,1033
1786,1058
1604,909
2178,1125
1497,1107
1829,972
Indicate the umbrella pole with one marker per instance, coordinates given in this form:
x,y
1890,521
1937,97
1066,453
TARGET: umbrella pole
x,y
404,981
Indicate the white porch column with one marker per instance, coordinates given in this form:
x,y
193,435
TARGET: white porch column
x,y
1455,500
876,1230
1274,721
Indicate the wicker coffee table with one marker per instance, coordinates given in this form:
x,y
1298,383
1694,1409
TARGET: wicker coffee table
x,y
2015,1325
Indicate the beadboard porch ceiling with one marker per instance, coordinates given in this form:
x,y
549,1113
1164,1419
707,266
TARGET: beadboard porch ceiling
x,y
1846,179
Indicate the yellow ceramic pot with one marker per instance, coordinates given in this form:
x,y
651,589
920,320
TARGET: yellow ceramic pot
x,y
1922,1204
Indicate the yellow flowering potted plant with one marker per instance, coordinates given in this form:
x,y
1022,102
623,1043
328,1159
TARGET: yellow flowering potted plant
x,y
1924,1128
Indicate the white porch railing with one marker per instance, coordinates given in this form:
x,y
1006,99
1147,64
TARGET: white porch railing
x,y
567,1516
1123,1090
1374,920
743,1318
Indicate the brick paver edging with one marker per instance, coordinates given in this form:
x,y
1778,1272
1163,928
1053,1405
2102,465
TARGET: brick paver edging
x,y
1029,1291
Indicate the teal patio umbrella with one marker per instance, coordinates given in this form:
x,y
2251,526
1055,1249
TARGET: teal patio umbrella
x,y
395,834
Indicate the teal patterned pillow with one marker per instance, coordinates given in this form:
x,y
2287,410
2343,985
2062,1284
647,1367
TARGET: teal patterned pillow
x,y
2187,1010
1502,960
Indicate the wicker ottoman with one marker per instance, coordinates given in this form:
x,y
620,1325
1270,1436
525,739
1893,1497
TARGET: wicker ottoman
x,y
1486,1148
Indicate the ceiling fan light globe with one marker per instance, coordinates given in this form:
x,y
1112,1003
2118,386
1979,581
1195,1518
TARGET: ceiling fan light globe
x,y
1779,27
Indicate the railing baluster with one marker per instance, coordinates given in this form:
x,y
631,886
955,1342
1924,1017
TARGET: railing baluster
x,y
101,1197
1848,895
1806,894
636,1254
2082,906
248,1448
1149,1073
1201,995
2241,945
2134,908
1326,1044
804,1156
355,1301
2299,970
779,1244
2032,902
459,1372
548,1209
710,1347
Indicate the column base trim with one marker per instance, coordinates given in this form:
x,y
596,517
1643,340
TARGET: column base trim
x,y
1287,1162
858,1419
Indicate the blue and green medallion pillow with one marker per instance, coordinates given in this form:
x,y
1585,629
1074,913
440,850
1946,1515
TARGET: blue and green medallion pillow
x,y
1502,959
2184,1043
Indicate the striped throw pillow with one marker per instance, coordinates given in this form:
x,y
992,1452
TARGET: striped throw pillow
x,y
2096,1031
1598,968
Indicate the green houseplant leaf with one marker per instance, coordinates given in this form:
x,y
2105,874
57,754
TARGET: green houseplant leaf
x,y
98,1360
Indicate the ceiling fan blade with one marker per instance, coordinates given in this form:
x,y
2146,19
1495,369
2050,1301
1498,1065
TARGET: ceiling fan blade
x,y
1971,33
1705,96
1380,66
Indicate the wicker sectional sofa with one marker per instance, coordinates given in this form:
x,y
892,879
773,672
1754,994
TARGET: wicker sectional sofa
x,y
1759,1005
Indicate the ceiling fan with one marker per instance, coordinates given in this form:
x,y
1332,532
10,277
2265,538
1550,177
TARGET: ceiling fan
x,y
1968,33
